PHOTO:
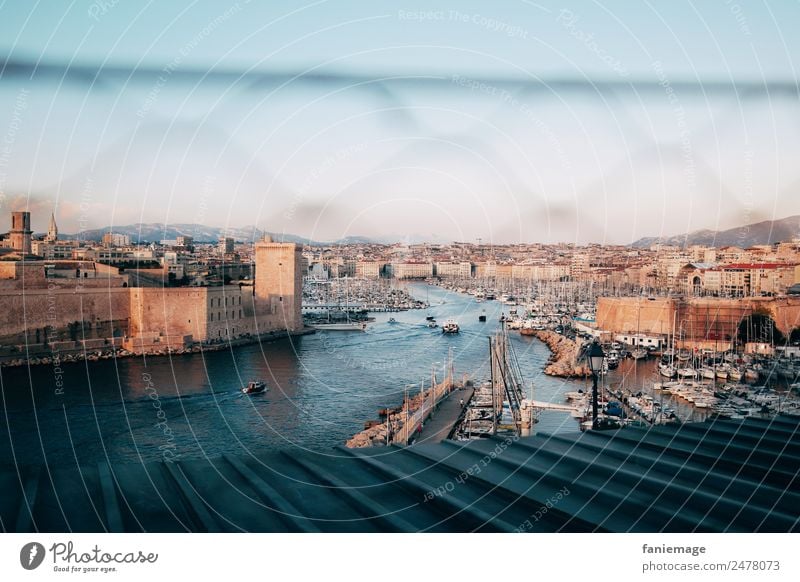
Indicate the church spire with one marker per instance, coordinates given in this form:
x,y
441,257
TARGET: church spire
x,y
52,231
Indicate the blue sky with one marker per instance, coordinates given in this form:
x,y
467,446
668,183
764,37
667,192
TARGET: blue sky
x,y
461,155
694,39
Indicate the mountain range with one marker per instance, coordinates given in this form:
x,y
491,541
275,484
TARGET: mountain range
x,y
759,233
154,232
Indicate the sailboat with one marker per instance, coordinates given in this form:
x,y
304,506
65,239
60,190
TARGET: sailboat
x,y
339,323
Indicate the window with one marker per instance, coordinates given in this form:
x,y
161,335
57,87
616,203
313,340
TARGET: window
x,y
212,317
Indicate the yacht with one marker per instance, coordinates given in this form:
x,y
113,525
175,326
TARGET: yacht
x,y
450,326
666,370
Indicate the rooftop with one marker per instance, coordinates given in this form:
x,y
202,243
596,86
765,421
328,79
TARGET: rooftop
x,y
737,476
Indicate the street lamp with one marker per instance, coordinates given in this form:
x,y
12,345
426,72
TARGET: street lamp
x,y
595,357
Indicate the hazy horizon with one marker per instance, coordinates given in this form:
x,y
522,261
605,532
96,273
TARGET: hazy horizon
x,y
517,123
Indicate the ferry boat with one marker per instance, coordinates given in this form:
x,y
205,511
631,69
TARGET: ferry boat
x,y
450,326
255,387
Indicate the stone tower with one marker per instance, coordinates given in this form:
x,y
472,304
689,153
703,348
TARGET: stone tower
x,y
52,230
20,234
278,285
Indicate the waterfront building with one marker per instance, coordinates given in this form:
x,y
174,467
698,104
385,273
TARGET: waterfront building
x,y
46,302
412,270
458,270
368,269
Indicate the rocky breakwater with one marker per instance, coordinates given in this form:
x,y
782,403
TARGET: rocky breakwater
x,y
375,432
564,355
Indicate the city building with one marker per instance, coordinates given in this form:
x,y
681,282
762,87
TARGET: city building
x,y
225,245
111,239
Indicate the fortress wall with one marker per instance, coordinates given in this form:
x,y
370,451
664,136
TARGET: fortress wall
x,y
629,314
176,311
697,318
278,285
104,311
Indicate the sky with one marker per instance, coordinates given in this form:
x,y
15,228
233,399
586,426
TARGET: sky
x,y
528,121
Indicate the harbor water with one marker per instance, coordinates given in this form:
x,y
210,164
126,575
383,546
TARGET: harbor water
x,y
322,388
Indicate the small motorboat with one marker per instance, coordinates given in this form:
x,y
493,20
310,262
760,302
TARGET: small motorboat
x,y
432,324
482,317
450,326
392,320
255,387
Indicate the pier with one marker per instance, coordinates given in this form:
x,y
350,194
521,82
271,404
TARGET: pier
x,y
444,417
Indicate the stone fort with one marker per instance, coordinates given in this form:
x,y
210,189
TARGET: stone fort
x,y
69,304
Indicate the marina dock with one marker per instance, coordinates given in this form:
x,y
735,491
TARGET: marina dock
x,y
442,421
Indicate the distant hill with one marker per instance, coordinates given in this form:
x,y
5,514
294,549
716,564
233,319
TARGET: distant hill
x,y
760,233
155,232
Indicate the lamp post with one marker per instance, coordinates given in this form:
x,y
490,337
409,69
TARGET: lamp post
x,y
596,356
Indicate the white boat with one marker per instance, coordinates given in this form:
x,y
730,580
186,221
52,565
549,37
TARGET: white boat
x,y
666,370
707,373
687,373
255,387
735,374
722,373
639,353
450,326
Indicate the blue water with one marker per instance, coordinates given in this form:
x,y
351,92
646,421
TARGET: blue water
x,y
322,389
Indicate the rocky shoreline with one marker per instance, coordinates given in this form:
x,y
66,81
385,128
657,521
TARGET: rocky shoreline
x,y
564,355
375,432
57,357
